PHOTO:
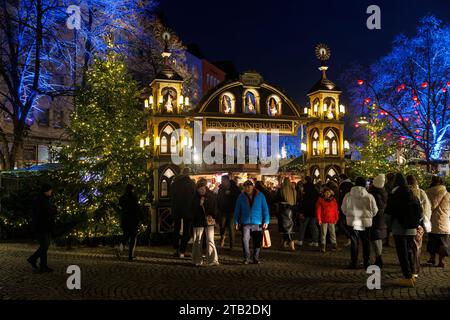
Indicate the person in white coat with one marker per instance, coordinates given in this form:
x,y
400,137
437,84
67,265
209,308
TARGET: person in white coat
x,y
359,208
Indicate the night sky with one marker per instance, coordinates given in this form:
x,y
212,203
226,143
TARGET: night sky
x,y
278,37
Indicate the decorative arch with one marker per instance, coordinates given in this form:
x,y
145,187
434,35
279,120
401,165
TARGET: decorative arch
x,y
169,101
315,173
227,103
332,172
331,142
315,141
250,101
273,105
168,140
329,107
315,106
165,181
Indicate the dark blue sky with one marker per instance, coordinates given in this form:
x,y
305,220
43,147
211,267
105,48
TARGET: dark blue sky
x,y
277,37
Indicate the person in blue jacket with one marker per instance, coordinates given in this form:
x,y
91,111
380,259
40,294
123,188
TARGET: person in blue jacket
x,y
251,214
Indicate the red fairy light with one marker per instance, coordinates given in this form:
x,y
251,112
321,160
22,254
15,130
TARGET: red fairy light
x,y
444,90
415,98
424,84
448,84
403,86
356,125
417,137
416,112
406,119
417,131
399,118
399,88
402,138
367,100
360,82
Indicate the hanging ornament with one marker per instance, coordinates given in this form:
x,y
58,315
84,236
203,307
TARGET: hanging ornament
x,y
424,84
417,131
360,82
415,98
403,86
444,90
399,88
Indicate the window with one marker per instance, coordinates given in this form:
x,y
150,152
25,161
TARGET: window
x,y
330,144
316,105
274,105
43,117
315,142
58,118
163,145
250,101
166,180
169,95
166,138
227,103
329,107
173,144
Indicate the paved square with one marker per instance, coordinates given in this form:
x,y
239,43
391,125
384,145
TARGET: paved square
x,y
304,274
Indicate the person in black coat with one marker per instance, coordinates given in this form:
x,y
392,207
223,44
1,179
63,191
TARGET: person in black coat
x,y
378,231
310,196
226,201
182,193
43,224
131,215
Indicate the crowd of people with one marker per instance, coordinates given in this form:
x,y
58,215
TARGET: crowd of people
x,y
365,212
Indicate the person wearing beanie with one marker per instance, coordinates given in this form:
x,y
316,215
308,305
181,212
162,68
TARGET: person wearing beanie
x,y
378,231
359,208
43,223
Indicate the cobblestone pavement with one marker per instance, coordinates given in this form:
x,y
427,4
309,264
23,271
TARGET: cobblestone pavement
x,y
304,274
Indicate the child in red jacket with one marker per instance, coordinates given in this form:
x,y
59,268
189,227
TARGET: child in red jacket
x,y
327,215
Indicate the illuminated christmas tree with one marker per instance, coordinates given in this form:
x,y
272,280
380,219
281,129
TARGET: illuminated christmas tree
x,y
103,154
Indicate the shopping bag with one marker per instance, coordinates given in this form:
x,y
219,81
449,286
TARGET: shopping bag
x,y
266,239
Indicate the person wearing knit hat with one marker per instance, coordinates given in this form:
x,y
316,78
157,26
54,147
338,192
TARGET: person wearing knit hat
x,y
379,229
43,222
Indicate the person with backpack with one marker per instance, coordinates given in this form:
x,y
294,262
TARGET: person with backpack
x,y
405,213
439,237
378,230
426,224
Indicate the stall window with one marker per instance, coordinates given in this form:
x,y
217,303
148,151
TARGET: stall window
x,y
315,142
330,144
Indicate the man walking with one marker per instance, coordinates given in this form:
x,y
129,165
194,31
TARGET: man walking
x,y
226,202
311,195
182,195
130,217
359,208
43,223
252,215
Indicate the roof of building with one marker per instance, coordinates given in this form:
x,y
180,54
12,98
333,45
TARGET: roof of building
x,y
324,84
167,73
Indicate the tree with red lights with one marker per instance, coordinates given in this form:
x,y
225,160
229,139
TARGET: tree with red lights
x,y
410,87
